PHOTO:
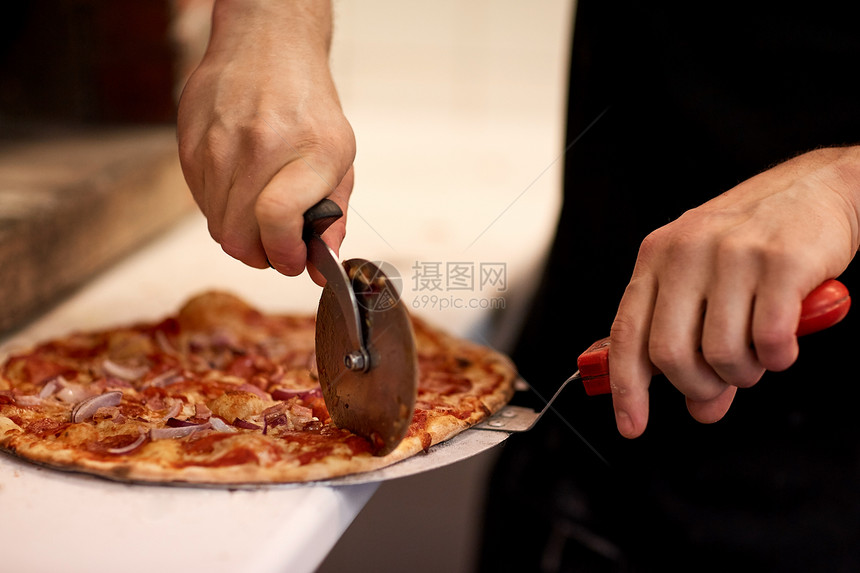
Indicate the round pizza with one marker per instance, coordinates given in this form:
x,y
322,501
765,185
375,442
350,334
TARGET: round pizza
x,y
221,393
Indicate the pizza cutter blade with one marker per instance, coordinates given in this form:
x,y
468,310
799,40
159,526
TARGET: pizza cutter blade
x,y
365,347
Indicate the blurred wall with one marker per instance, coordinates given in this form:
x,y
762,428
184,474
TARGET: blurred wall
x,y
98,61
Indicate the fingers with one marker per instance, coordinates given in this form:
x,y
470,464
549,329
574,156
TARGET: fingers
x,y
699,332
774,325
254,188
279,211
225,169
713,410
726,345
629,362
707,343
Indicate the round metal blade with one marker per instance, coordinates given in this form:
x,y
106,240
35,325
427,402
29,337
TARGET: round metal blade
x,y
378,403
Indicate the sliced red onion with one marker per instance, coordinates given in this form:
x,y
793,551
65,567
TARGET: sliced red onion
x,y
220,425
28,400
127,373
226,339
273,421
278,408
174,410
181,432
166,378
245,425
301,415
177,423
287,393
164,343
72,393
85,409
52,386
130,447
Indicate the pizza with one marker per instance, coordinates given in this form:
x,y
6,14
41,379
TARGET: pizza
x,y
221,393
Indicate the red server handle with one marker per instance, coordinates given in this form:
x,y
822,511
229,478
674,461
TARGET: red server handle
x,y
822,308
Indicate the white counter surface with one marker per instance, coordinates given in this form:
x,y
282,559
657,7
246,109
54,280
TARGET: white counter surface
x,y
70,523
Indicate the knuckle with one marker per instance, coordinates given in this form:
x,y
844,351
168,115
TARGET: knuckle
x,y
776,355
330,141
623,330
677,245
215,229
746,379
665,355
721,358
699,388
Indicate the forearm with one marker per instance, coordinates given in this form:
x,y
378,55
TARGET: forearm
x,y
299,25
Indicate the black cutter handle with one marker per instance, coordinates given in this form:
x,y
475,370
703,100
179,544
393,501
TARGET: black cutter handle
x,y
320,217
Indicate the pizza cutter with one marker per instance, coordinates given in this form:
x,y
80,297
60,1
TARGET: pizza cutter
x,y
365,347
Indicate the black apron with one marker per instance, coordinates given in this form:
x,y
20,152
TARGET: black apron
x,y
690,102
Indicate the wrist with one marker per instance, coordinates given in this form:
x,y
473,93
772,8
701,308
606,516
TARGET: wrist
x,y
844,178
303,25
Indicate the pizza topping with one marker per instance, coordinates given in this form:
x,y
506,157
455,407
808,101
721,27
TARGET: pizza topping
x,y
305,394
300,415
166,378
220,425
444,383
36,369
72,393
180,432
245,425
177,423
204,443
274,421
127,373
45,427
117,448
243,366
112,413
173,411
253,390
51,387
237,404
85,409
164,343
202,411
28,400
